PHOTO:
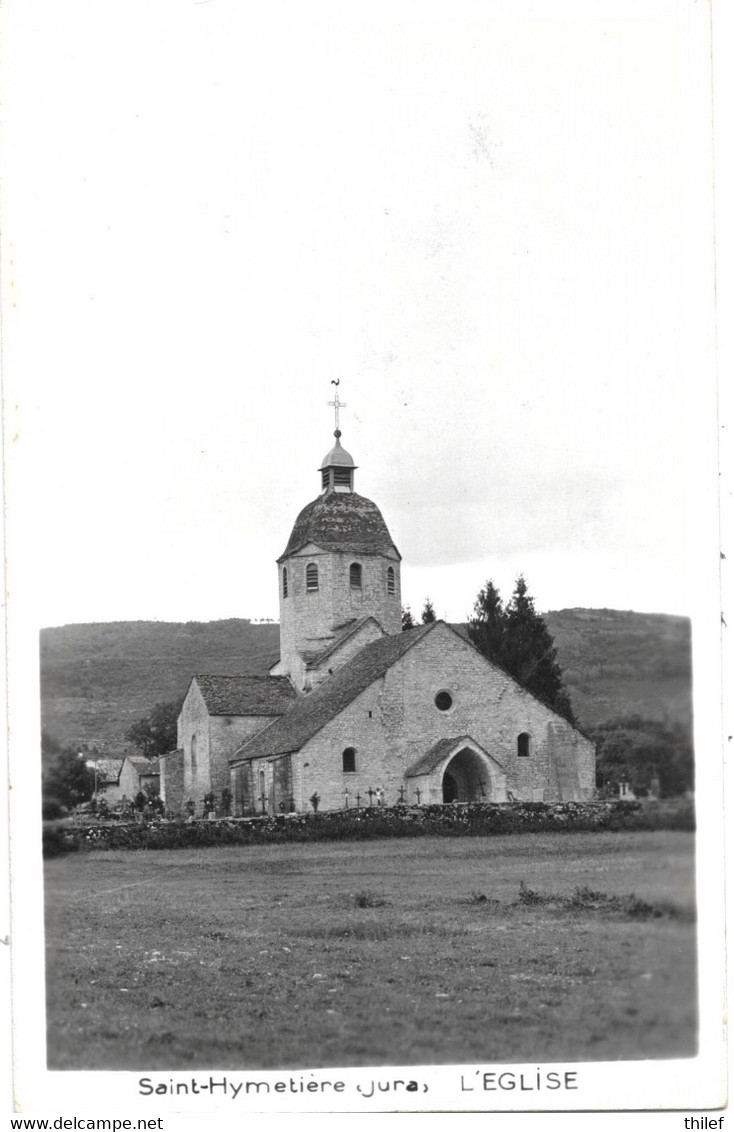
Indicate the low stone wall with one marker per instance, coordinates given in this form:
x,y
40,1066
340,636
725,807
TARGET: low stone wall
x,y
456,820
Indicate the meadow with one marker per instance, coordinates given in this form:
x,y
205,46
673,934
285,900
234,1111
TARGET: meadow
x,y
528,947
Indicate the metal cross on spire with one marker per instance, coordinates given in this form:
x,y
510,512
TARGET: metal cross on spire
x,y
337,405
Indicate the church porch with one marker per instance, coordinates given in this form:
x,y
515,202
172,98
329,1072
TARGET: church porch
x,y
456,770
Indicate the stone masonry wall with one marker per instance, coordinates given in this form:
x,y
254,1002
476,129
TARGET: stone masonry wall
x,y
227,733
308,620
193,731
344,653
172,783
395,722
216,738
129,780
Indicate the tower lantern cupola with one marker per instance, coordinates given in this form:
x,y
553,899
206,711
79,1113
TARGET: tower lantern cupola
x,y
337,469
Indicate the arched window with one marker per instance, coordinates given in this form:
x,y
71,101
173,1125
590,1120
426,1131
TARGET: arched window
x,y
390,581
312,578
349,760
355,576
285,582
523,745
193,754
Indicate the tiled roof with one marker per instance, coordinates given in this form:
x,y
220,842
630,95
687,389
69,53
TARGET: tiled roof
x,y
313,711
107,770
438,752
342,635
341,521
246,695
143,765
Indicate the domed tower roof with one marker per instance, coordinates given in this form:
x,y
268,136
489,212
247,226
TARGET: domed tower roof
x,y
341,522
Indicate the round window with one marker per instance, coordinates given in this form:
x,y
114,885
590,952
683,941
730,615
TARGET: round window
x,y
443,701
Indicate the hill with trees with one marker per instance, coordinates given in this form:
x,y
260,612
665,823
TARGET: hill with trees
x,y
98,680
620,664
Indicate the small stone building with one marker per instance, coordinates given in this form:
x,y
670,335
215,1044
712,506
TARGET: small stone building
x,y
119,779
218,714
137,773
356,710
107,778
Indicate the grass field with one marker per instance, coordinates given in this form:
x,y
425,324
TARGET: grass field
x,y
377,953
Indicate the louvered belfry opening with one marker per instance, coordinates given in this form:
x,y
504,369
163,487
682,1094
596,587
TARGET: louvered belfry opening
x,y
337,478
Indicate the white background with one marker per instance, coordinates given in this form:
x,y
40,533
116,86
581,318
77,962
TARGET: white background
x,y
491,222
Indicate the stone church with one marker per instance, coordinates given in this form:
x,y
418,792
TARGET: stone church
x,y
356,711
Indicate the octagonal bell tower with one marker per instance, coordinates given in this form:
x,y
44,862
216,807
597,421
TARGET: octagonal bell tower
x,y
340,566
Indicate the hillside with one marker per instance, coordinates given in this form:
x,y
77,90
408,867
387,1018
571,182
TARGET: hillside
x,y
96,680
619,663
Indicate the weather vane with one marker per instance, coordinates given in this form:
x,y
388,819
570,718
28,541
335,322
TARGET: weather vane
x,y
337,405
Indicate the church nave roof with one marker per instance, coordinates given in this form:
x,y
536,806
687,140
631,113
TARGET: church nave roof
x,y
246,695
313,711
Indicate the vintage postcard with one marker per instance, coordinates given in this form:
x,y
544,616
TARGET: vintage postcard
x,y
363,617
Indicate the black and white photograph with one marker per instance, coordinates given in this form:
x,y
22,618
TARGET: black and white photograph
x,y
362,558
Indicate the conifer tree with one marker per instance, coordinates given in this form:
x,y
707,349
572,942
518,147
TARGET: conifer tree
x,y
516,637
428,615
487,624
530,652
408,621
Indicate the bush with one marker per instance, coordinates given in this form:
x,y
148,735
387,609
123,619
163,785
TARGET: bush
x,y
52,808
472,820
369,900
58,839
529,895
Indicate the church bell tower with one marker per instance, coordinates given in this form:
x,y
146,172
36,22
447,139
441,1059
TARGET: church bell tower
x,y
339,568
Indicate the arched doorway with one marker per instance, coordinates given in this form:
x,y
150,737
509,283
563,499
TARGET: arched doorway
x,y
450,789
467,778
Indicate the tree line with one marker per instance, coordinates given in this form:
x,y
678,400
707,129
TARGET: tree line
x,y
652,756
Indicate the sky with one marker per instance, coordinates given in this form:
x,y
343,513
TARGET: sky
x,y
492,223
